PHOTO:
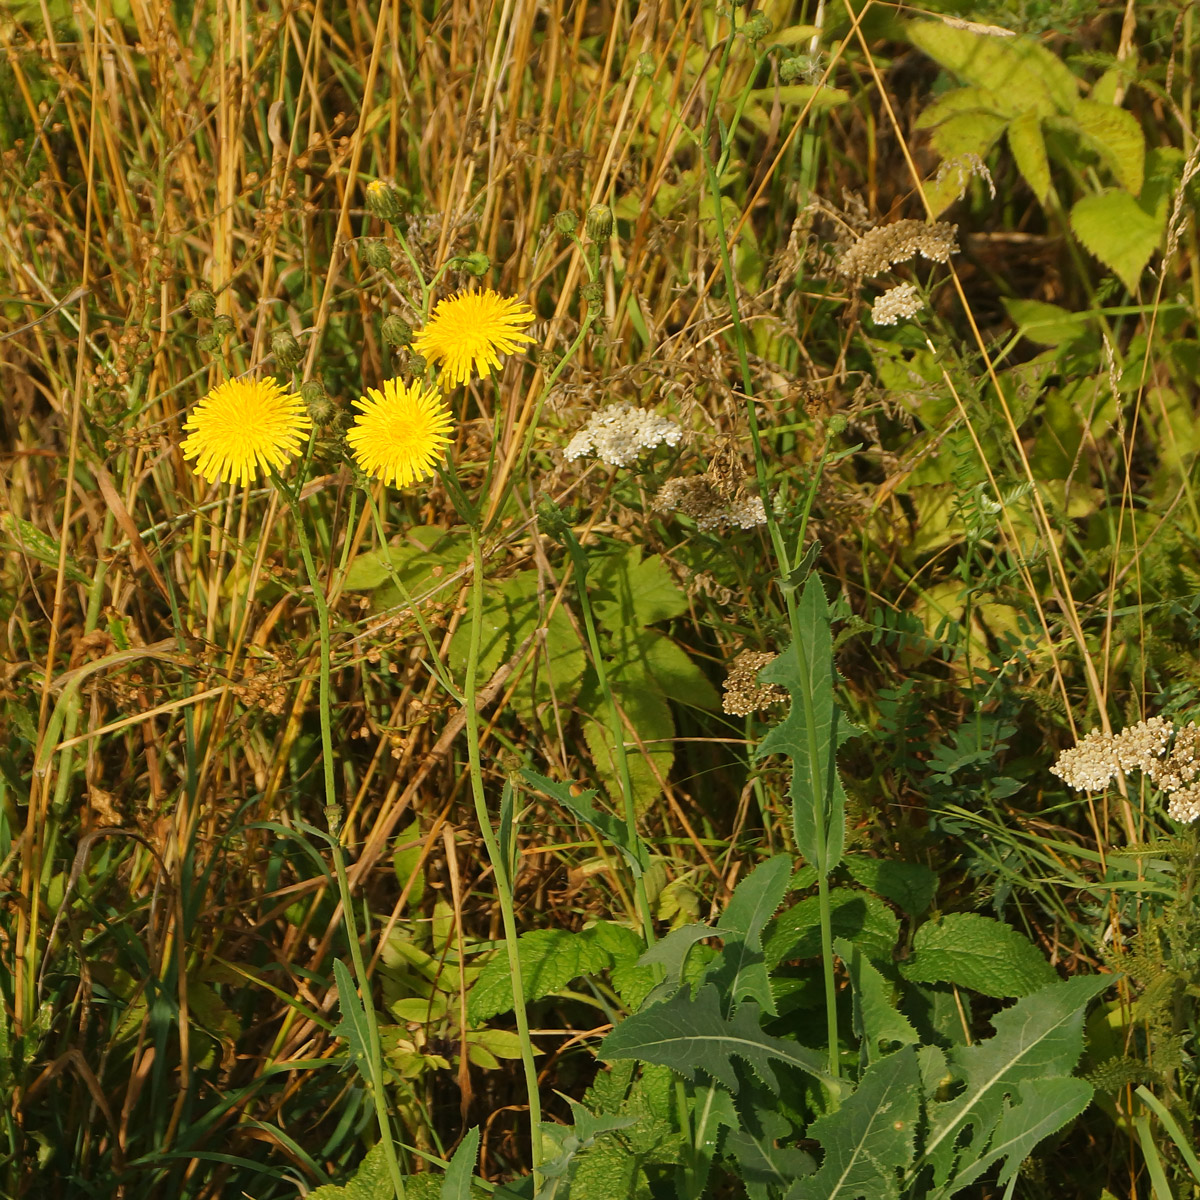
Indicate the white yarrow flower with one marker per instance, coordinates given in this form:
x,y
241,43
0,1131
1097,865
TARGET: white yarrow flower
x,y
619,434
895,303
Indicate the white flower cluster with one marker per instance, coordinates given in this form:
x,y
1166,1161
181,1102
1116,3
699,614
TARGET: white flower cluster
x,y
1172,765
619,434
695,497
902,301
748,512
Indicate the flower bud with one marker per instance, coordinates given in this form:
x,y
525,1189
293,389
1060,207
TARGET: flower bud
x,y
209,342
477,263
383,201
396,331
599,222
223,326
377,253
792,69
592,292
320,407
837,424
201,303
757,27
286,349
566,222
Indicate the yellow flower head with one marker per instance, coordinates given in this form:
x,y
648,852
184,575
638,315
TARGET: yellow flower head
x,y
241,425
472,329
401,432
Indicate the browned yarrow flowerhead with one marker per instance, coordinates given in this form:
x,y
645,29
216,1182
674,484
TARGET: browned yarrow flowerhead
x,y
879,248
242,425
401,433
470,331
743,693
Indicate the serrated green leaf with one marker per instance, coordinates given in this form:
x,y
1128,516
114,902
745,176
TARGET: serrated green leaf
x,y
1040,1037
912,886
811,732
650,716
980,953
1046,324
1114,133
740,973
353,1025
1118,231
690,1035
550,959
456,1183
1018,71
629,591
876,1020
421,556
1028,148
761,1165
372,1181
858,917
669,668
868,1141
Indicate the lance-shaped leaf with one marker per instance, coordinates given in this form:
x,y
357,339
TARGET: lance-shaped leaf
x,y
869,1140
690,1036
811,733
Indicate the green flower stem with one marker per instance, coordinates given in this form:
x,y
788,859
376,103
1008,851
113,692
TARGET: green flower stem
x,y
333,810
824,867
616,726
500,867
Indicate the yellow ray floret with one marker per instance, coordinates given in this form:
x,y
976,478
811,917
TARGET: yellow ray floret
x,y
401,433
472,330
242,425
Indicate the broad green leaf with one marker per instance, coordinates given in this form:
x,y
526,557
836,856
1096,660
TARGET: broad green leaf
x,y
964,102
353,1025
856,916
648,712
868,1141
550,959
456,1183
629,591
912,886
980,953
811,733
672,671
1038,1038
372,1181
1065,411
27,538
1118,231
876,1020
740,972
1114,133
1014,68
691,1036
406,863
761,1164
1028,148
555,672
421,557
671,951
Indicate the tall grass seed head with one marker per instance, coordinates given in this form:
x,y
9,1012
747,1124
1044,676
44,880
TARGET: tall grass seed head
x,y
468,332
401,432
242,426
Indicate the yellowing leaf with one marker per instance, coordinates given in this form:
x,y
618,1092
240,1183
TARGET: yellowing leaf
x,y
1028,146
1118,231
1116,136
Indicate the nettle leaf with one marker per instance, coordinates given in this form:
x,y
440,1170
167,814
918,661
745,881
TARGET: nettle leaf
x,y
1015,68
1114,133
911,886
858,917
373,1181
690,1035
555,672
421,556
629,591
1039,1038
811,733
1028,147
876,1020
550,959
1118,231
868,1141
740,973
648,711
979,953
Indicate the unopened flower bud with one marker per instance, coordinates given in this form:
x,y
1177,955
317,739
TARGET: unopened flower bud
x,y
396,331
383,200
377,253
566,222
201,303
223,326
320,407
757,27
599,222
592,292
792,69
477,263
837,424
286,349
209,342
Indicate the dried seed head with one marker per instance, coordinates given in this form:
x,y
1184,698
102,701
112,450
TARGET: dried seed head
x,y
743,693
